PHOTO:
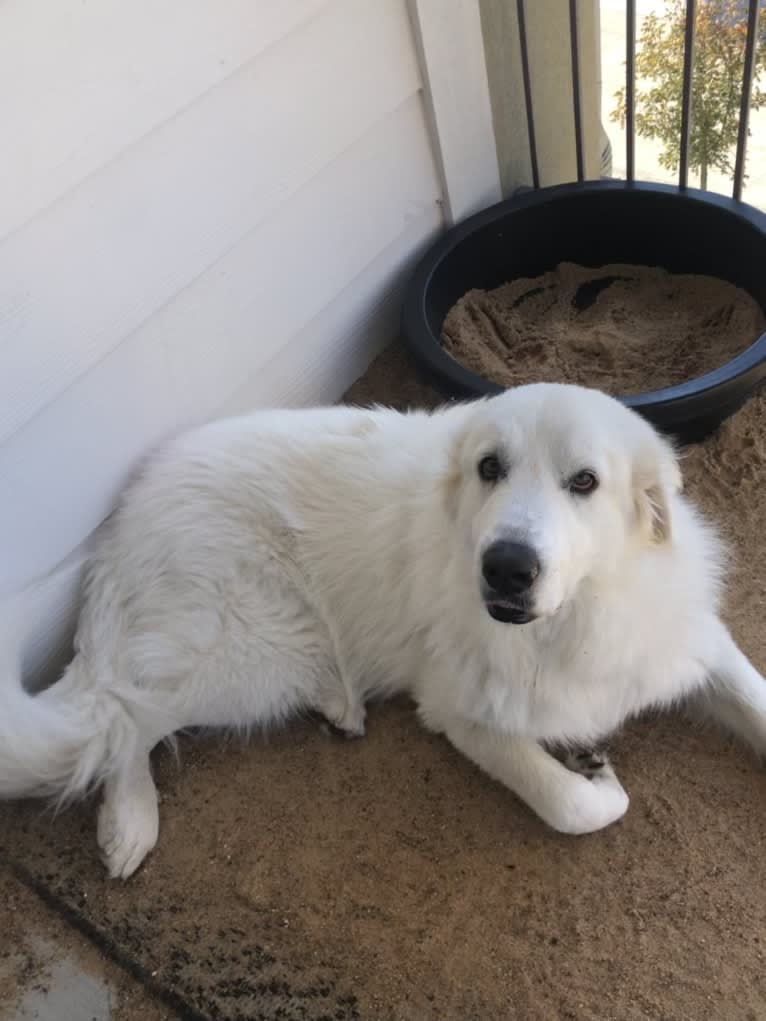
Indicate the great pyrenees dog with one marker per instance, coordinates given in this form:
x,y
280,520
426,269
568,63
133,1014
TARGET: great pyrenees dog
x,y
524,567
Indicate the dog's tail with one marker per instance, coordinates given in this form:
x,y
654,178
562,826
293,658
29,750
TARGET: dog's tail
x,y
66,739
63,741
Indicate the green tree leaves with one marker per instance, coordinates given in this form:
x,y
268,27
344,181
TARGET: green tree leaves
x,y
721,31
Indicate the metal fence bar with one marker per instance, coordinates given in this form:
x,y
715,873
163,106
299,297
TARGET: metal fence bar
x,y
630,91
748,75
686,107
747,88
521,15
576,102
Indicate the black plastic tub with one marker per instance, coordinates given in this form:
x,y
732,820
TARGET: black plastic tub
x,y
596,223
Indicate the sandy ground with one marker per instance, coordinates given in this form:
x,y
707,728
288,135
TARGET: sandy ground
x,y
619,328
310,878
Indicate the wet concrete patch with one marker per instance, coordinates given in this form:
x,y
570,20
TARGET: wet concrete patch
x,y
49,972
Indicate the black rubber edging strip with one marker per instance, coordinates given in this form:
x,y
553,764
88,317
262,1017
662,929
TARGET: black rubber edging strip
x,y
102,942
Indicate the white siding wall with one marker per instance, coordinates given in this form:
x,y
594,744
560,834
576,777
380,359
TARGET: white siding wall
x,y
204,206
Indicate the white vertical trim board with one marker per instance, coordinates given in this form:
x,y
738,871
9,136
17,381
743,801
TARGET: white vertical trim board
x,y
451,50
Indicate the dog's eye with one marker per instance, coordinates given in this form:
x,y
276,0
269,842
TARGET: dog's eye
x,y
583,482
490,468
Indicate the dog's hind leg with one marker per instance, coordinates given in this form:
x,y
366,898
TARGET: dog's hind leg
x,y
735,694
128,819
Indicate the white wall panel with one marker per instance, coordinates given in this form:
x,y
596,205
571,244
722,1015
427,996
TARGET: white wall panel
x,y
79,279
61,472
81,81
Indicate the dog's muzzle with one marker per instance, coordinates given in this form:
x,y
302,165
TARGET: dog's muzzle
x,y
509,571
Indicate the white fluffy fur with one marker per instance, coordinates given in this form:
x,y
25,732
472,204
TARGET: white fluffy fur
x,y
296,560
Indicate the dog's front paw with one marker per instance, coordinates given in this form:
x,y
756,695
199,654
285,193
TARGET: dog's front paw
x,y
587,804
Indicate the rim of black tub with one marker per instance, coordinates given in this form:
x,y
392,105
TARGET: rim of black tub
x,y
595,223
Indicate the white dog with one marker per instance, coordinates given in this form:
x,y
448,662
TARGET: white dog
x,y
525,567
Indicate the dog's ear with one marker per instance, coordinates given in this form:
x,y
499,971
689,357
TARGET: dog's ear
x,y
656,480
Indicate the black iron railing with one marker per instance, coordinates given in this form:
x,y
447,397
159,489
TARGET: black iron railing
x,y
630,92
747,88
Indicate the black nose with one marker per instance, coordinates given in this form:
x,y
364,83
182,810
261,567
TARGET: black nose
x,y
510,568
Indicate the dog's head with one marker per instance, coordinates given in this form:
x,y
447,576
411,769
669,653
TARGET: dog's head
x,y
553,486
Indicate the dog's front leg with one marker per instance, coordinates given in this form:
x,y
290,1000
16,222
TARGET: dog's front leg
x,y
340,700
341,706
567,801
735,694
